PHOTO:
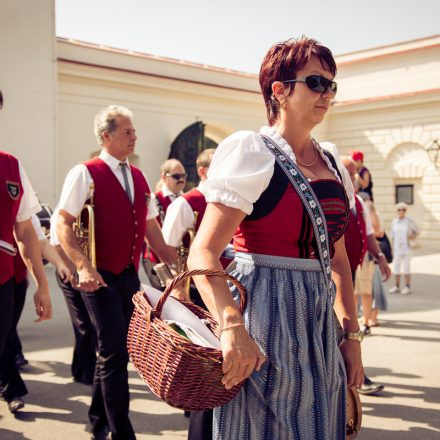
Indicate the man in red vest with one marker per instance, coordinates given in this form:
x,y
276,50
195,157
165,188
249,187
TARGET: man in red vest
x,y
179,218
18,202
170,186
360,239
181,215
124,216
20,284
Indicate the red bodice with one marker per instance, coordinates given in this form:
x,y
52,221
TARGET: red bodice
x,y
279,224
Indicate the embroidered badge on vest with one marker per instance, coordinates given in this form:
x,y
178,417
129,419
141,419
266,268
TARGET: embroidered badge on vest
x,y
13,189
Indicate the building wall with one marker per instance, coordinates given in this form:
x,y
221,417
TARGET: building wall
x,y
27,80
394,141
162,108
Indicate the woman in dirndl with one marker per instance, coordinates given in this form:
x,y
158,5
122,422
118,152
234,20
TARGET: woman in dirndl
x,y
285,345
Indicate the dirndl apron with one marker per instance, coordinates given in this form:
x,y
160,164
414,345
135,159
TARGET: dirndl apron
x,y
299,392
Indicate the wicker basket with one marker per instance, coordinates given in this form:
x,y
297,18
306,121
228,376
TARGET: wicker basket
x,y
183,374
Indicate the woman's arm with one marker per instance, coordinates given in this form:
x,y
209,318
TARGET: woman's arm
x,y
241,354
345,311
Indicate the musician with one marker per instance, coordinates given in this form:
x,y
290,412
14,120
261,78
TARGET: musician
x,y
18,202
168,188
20,284
124,215
178,219
84,351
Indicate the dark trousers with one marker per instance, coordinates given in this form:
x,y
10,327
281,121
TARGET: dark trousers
x,y
200,425
84,351
11,383
200,422
20,290
110,309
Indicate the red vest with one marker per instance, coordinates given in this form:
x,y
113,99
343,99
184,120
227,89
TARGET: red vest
x,y
198,204
164,202
11,192
119,225
356,236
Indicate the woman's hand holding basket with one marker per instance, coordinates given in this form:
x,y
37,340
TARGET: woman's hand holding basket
x,y
241,355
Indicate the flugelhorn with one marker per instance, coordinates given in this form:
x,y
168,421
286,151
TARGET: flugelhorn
x,y
84,228
162,270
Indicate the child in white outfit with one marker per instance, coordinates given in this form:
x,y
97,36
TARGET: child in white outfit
x,y
403,229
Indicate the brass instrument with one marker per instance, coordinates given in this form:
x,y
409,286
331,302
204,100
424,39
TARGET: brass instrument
x,y
84,229
183,252
163,271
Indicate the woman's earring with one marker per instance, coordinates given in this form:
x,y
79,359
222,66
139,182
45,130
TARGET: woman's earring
x,y
283,104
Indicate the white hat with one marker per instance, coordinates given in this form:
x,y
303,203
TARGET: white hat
x,y
401,205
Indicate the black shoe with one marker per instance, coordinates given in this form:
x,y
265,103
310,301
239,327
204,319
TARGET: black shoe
x,y
104,434
370,387
365,330
15,404
20,360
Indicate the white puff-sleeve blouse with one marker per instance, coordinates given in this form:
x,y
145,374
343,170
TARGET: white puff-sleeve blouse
x,y
242,168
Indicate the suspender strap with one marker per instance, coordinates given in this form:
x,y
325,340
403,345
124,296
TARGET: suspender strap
x,y
310,201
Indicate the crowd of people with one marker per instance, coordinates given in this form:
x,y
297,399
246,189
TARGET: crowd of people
x,y
284,202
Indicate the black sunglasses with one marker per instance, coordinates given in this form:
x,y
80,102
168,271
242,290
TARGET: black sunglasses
x,y
176,176
316,83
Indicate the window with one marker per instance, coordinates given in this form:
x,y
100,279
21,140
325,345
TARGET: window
x,y
405,193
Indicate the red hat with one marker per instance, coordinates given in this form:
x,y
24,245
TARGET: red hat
x,y
357,155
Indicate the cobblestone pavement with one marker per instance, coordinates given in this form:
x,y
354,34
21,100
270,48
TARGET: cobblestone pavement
x,y
403,353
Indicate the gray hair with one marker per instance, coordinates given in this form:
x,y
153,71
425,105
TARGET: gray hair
x,y
105,120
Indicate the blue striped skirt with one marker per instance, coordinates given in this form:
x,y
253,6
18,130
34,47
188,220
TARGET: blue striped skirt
x,y
299,393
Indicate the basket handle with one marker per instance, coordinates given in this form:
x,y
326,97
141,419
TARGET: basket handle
x,y
156,312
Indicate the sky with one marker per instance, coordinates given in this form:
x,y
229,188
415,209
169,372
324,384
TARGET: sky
x,y
235,34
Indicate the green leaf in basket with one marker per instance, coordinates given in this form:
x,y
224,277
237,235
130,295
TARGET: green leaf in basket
x,y
179,330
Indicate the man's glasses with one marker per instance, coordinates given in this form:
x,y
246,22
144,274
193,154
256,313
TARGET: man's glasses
x,y
316,83
402,209
176,176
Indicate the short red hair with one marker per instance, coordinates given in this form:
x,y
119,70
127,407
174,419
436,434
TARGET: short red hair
x,y
282,62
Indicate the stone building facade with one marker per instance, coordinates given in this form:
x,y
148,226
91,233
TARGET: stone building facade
x,y
388,106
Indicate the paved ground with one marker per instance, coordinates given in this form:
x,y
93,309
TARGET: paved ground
x,y
403,353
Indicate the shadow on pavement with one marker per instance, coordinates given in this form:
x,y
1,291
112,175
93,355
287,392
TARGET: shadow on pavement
x,y
68,402
6,434
412,434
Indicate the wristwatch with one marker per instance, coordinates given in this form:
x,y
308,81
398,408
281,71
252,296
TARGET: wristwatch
x,y
381,254
355,336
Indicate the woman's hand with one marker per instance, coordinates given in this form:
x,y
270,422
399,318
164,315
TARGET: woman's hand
x,y
351,352
241,355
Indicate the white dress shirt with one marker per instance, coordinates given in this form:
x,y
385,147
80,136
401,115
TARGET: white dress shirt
x,y
29,203
76,189
242,167
179,217
37,226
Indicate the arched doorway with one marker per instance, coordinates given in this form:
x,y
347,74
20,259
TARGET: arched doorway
x,y
187,146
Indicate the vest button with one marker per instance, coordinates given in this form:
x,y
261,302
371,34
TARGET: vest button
x,y
134,211
135,235
135,222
